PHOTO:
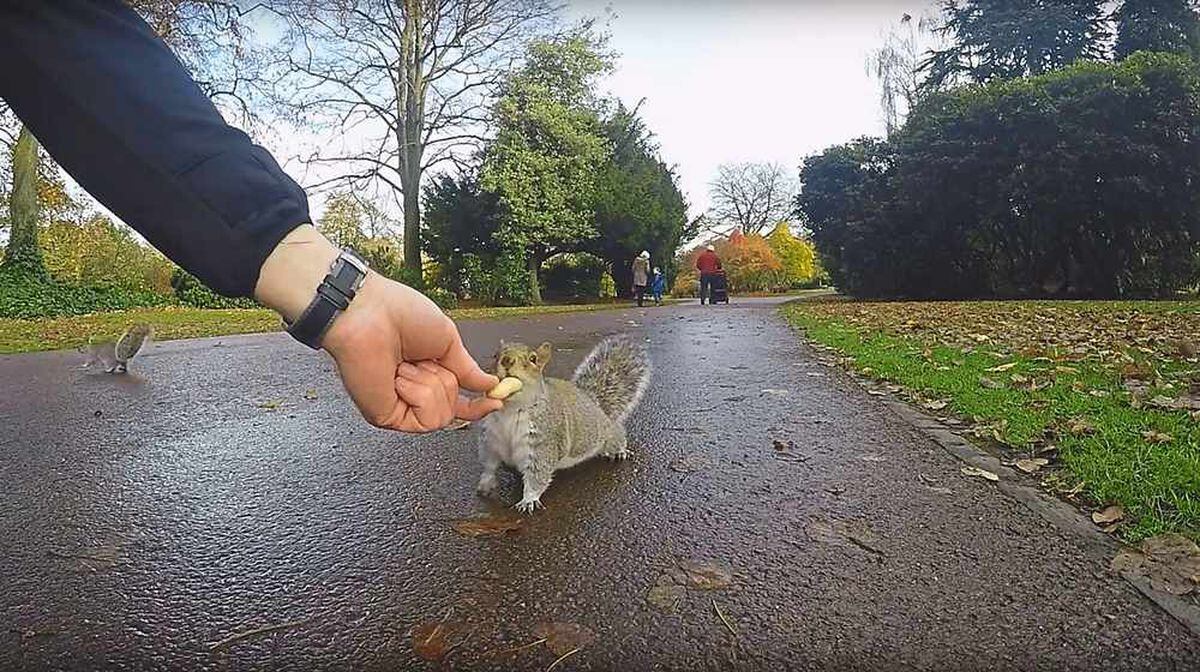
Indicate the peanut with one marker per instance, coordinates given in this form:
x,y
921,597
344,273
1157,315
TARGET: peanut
x,y
505,389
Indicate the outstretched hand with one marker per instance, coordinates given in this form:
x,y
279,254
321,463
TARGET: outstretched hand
x,y
403,361
400,358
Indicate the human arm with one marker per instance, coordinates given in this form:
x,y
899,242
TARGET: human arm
x,y
119,112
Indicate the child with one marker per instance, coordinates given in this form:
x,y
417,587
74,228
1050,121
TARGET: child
x,y
657,285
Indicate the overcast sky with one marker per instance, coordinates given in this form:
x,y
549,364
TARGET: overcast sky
x,y
728,80
746,81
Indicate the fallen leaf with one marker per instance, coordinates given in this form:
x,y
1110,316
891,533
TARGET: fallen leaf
x,y
706,575
1155,436
431,640
1170,561
936,405
990,384
563,637
1080,426
876,393
270,405
1065,369
979,473
310,394
485,526
1110,514
1001,368
1031,465
666,596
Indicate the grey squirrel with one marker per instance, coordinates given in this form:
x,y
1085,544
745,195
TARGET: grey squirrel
x,y
115,355
551,424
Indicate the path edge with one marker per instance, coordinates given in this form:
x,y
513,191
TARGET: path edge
x,y
1054,511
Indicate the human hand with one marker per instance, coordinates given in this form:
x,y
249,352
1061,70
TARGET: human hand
x,y
403,361
400,357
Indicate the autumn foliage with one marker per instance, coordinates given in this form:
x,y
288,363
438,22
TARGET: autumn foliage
x,y
753,263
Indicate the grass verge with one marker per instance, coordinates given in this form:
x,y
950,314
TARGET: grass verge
x,y
176,322
1107,391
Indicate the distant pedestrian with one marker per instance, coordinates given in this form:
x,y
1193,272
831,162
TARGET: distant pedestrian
x,y
658,285
641,276
709,264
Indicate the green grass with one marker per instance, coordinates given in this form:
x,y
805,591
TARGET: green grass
x,y
176,322
1079,405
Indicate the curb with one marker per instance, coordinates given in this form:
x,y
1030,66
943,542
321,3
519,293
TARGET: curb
x,y
1058,513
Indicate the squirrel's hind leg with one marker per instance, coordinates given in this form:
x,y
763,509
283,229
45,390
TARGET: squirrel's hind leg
x,y
535,483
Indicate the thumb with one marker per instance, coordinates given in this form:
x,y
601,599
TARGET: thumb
x,y
464,367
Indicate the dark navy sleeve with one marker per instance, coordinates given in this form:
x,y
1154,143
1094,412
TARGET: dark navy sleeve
x,y
115,107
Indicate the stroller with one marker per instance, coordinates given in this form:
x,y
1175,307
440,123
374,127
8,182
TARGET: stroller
x,y
719,289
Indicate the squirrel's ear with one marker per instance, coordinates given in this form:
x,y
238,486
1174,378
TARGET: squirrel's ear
x,y
543,352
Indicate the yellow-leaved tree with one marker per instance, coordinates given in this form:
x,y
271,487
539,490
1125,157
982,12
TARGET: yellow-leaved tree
x,y
797,255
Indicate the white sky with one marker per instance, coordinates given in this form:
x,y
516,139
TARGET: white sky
x,y
757,80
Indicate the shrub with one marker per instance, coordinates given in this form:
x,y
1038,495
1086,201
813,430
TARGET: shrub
x,y
189,291
1079,182
25,296
574,276
444,298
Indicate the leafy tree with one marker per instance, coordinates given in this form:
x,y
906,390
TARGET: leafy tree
x,y
896,65
1078,182
751,196
23,252
461,222
548,151
638,202
1157,25
417,75
796,255
358,225
842,196
1002,39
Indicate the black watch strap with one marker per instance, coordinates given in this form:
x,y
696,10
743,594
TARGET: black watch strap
x,y
334,295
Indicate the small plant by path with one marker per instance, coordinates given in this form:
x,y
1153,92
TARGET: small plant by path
x,y
1096,399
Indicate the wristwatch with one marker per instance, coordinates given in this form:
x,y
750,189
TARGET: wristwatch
x,y
334,295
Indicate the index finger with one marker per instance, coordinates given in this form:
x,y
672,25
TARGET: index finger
x,y
464,367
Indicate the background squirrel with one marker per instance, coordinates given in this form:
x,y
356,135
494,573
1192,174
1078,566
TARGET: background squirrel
x,y
552,424
115,355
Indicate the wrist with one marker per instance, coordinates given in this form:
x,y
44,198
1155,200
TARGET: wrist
x,y
288,279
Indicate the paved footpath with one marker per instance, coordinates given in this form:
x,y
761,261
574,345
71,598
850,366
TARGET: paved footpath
x,y
225,509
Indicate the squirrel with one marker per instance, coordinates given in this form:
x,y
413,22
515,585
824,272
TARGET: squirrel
x,y
551,424
115,355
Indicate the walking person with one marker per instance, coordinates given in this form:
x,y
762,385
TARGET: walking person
x,y
641,276
708,264
658,285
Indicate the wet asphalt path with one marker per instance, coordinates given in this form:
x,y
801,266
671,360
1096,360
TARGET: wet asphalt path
x,y
230,487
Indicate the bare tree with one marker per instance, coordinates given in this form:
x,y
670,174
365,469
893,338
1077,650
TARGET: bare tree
x,y
399,86
751,196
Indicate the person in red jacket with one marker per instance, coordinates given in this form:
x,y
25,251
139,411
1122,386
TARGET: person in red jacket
x,y
708,263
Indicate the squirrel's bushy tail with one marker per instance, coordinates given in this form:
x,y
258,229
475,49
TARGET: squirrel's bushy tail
x,y
616,374
131,342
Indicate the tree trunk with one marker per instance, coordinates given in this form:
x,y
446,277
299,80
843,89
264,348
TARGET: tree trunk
x,y
412,123
535,288
23,251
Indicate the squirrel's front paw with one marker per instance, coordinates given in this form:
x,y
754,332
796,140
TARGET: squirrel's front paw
x,y
486,488
528,505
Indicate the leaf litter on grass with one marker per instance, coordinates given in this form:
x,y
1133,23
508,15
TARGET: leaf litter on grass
x,y
1110,385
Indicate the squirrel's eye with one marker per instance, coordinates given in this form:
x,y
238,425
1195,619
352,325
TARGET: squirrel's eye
x,y
533,359
506,362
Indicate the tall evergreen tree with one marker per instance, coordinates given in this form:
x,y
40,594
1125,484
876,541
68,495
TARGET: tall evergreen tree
x,y
1002,39
1158,25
